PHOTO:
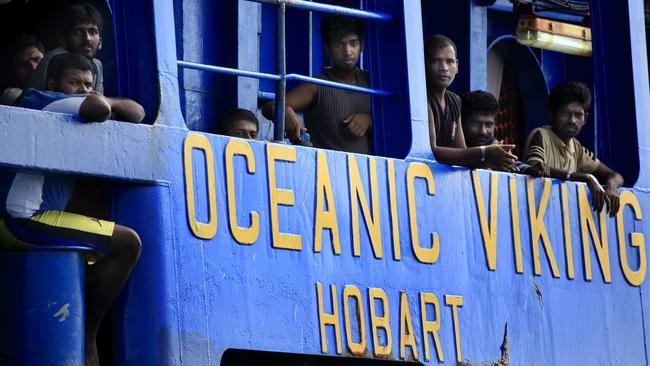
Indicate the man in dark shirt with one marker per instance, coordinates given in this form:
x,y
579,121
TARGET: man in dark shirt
x,y
444,108
336,119
478,114
441,69
24,55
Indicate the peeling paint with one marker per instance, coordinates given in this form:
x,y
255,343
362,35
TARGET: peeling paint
x,y
63,312
352,354
504,360
505,350
538,291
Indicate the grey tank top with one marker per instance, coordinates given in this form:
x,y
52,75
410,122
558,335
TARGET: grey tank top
x,y
446,120
324,118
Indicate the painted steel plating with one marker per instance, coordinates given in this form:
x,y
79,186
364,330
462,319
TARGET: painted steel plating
x,y
430,264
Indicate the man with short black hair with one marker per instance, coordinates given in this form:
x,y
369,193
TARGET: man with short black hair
x,y
336,119
25,53
80,29
444,108
441,65
239,122
37,201
554,151
479,112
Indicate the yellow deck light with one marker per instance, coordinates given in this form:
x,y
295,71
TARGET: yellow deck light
x,y
555,36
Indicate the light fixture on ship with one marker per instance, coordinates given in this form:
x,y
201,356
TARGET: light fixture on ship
x,y
554,35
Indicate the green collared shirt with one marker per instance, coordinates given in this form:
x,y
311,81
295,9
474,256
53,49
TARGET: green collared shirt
x,y
547,147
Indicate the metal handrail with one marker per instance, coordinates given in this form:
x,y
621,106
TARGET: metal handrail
x,y
332,9
290,77
228,70
334,84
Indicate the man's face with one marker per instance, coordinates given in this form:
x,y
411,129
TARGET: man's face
x,y
345,52
568,120
83,39
73,82
442,67
24,64
479,129
244,129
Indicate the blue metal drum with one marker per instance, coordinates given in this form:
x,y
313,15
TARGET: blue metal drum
x,y
42,325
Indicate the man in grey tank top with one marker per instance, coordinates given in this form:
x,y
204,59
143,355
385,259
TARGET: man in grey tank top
x,y
336,119
444,109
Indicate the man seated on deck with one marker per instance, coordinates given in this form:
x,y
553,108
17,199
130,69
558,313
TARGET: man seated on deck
x,y
25,53
36,202
336,119
80,28
478,114
553,151
239,122
444,109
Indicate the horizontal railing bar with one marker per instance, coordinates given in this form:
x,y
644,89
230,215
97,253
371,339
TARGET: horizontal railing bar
x,y
228,71
333,84
332,9
290,77
265,95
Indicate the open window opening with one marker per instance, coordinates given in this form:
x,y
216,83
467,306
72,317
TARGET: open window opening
x,y
35,25
249,78
522,70
307,54
515,78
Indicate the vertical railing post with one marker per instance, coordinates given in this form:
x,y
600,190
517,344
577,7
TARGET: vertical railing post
x,y
311,43
281,85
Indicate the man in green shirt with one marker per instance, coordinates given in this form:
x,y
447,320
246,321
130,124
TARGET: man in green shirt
x,y
553,151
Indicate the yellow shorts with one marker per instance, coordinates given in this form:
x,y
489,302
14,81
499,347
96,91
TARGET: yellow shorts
x,y
56,228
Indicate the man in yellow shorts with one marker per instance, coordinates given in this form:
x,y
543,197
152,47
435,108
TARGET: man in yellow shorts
x,y
36,201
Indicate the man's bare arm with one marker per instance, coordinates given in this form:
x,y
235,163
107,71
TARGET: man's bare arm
x,y
599,196
299,98
459,140
95,108
125,109
496,156
98,108
613,181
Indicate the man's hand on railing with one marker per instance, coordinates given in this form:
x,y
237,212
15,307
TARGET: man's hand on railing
x,y
292,126
538,169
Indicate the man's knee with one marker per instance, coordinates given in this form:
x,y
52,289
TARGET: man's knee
x,y
127,242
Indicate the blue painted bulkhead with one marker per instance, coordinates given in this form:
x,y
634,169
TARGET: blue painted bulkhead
x,y
191,299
